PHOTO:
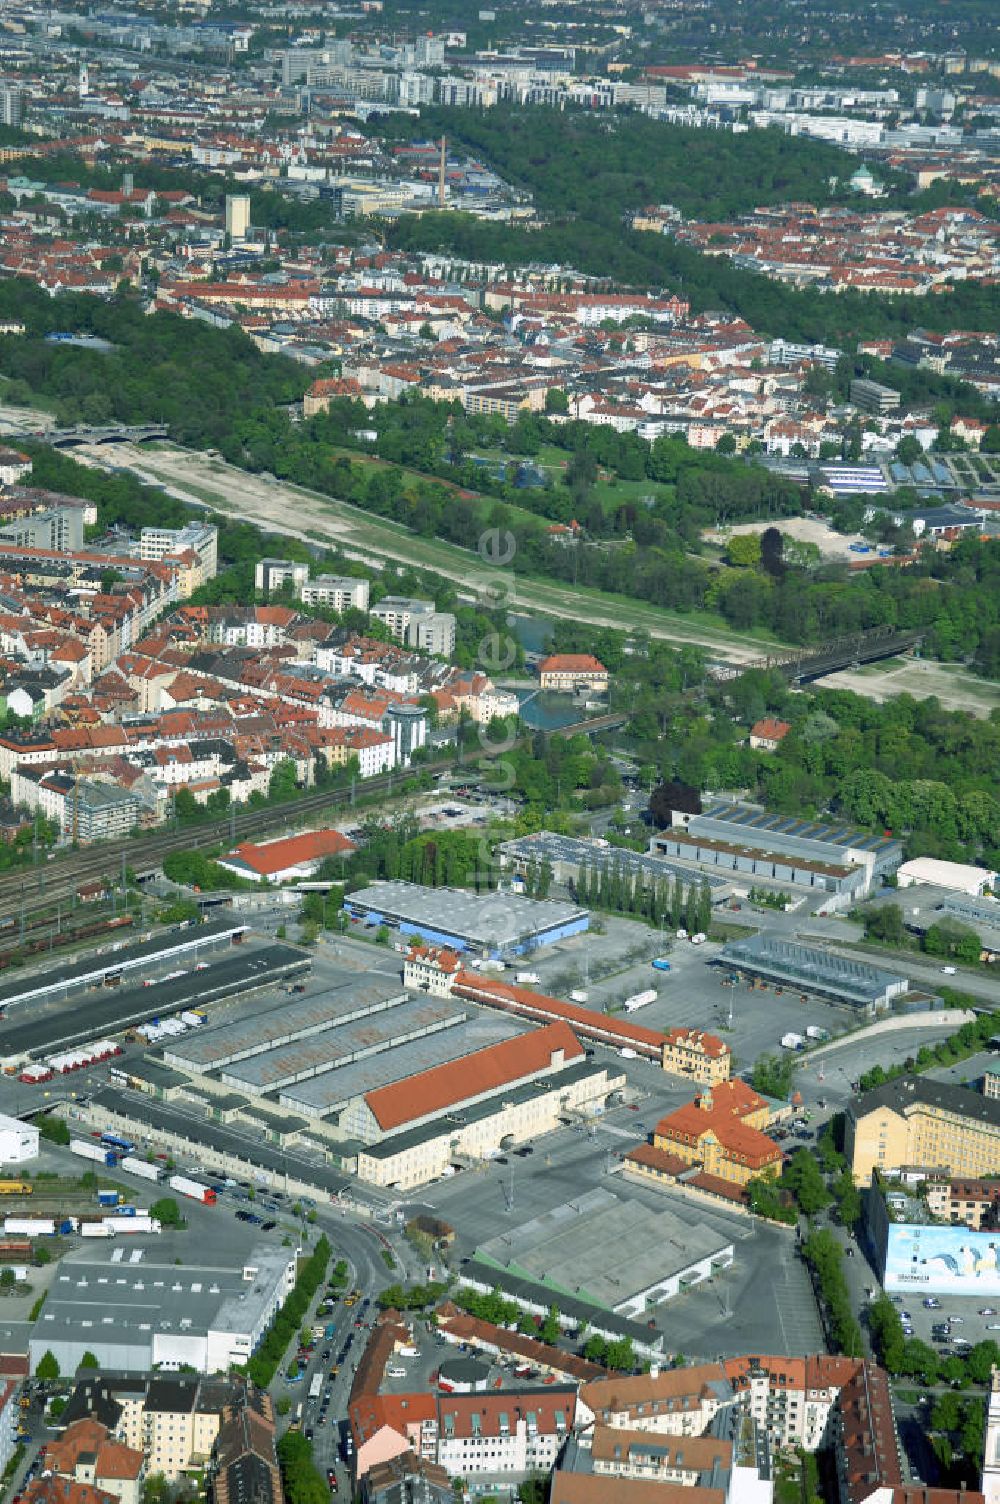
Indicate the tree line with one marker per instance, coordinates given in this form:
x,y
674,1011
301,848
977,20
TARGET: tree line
x,y
212,387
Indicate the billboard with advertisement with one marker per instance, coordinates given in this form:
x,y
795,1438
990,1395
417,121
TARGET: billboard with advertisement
x,y
942,1260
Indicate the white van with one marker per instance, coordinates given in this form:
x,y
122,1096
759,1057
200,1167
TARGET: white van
x,y
395,1371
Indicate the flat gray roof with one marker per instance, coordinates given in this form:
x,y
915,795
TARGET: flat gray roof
x,y
242,969
334,1089
254,1033
362,1037
811,968
546,846
122,1302
149,1117
496,919
750,817
603,1247
584,1312
115,956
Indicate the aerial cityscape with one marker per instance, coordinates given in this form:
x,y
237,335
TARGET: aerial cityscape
x,y
499,752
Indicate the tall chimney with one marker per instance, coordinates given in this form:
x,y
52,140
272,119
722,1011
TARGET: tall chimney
x,y
441,174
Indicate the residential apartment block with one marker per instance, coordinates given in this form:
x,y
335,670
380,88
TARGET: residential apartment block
x,y
417,623
271,574
970,1203
86,1452
201,539
336,593
170,1421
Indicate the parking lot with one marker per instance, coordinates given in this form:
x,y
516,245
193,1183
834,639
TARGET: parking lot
x,y
966,1320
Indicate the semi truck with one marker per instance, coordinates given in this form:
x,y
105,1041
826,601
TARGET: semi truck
x,y
141,1222
99,1153
141,1167
792,1041
640,1000
661,964
193,1189
15,1188
815,1032
34,1075
29,1227
527,978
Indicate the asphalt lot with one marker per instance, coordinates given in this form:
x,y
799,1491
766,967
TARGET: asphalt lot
x,y
750,1307
829,1077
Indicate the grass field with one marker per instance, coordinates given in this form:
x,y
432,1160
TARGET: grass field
x,y
280,507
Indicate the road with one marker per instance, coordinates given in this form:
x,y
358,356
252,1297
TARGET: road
x,y
322,1419
200,479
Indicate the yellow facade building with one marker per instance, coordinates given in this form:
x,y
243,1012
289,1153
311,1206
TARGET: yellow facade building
x,y
722,1132
701,1057
931,1124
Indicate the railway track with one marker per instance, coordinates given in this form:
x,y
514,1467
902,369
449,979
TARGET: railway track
x,y
50,883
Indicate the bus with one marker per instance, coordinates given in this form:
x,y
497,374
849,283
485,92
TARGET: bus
x,y
115,1141
316,1387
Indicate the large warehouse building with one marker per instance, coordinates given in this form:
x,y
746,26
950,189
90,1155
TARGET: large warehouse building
x,y
490,924
817,973
335,1100
611,1251
745,839
569,856
190,944
160,1316
957,877
259,1033
466,1111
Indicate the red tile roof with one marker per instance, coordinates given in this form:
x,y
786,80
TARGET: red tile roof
x,y
649,1157
369,1414
770,730
476,1075
571,663
721,1112
697,1039
597,1488
539,1005
292,851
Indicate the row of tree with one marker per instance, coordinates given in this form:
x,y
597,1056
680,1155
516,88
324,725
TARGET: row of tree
x,y
264,1364
608,886
966,1041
